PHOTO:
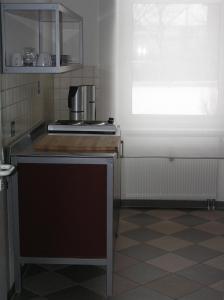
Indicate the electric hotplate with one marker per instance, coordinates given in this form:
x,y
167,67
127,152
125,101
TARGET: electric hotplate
x,y
93,127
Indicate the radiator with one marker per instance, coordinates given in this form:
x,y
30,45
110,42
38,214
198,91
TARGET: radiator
x,y
164,179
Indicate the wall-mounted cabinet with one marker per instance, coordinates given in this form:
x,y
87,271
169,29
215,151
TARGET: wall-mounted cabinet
x,y
40,38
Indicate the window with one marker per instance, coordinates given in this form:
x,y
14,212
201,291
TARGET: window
x,y
175,59
172,55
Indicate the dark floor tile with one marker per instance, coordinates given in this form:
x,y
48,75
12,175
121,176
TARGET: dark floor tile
x,y
189,220
32,270
141,293
166,214
204,294
127,212
143,209
52,267
221,220
75,293
39,298
203,274
142,219
24,295
143,252
123,261
80,273
198,253
47,283
193,235
142,234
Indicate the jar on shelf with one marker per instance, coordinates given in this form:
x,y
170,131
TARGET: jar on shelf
x,y
29,57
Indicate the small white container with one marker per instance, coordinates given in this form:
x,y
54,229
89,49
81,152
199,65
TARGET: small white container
x,y
17,60
44,60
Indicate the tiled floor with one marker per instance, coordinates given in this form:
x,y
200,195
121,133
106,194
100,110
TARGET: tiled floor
x,y
160,255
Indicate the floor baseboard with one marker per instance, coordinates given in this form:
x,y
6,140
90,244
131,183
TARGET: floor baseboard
x,y
184,204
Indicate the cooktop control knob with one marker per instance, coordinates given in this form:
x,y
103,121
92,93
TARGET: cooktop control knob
x,y
111,121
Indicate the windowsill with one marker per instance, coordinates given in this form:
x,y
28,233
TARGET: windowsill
x,y
174,132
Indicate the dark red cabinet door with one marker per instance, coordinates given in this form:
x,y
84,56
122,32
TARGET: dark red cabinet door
x,y
62,210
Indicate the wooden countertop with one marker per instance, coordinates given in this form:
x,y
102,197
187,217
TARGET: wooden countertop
x,y
78,143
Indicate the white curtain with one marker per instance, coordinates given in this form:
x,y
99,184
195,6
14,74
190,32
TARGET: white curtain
x,y
171,77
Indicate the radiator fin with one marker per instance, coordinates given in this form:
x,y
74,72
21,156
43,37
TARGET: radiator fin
x,y
152,178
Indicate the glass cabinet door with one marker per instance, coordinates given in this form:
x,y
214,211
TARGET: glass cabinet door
x,y
40,38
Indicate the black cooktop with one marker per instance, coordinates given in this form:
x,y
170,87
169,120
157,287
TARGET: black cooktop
x,y
81,123
93,127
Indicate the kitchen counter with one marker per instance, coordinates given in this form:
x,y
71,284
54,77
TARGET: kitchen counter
x,y
81,143
64,145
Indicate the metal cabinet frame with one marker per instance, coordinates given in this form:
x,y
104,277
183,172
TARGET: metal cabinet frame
x,y
108,261
57,8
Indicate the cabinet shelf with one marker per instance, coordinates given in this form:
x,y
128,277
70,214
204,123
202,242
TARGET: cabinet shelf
x,y
53,33
47,70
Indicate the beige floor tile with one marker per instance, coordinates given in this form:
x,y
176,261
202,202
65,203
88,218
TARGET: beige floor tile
x,y
217,262
208,214
122,243
174,286
166,214
219,286
169,243
122,262
171,262
121,285
212,227
167,227
126,226
216,243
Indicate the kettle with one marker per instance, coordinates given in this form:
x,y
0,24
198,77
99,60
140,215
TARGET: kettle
x,y
82,102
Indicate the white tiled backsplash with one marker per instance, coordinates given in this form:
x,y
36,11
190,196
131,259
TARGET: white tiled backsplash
x,y
62,82
23,104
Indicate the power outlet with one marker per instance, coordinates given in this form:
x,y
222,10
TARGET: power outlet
x,y
13,128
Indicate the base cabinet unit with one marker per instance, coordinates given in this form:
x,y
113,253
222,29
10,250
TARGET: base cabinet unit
x,y
66,211
62,210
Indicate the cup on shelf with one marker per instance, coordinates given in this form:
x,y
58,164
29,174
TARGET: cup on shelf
x,y
44,60
17,60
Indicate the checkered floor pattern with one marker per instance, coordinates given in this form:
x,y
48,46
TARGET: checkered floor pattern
x,y
160,255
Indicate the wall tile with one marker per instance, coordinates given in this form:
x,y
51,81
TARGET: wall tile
x,y
86,75
76,81
21,103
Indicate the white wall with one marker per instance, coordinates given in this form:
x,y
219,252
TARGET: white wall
x,y
99,57
107,55
88,9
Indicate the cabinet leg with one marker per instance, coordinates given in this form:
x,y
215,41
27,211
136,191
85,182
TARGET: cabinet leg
x,y
109,280
213,204
208,204
18,279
